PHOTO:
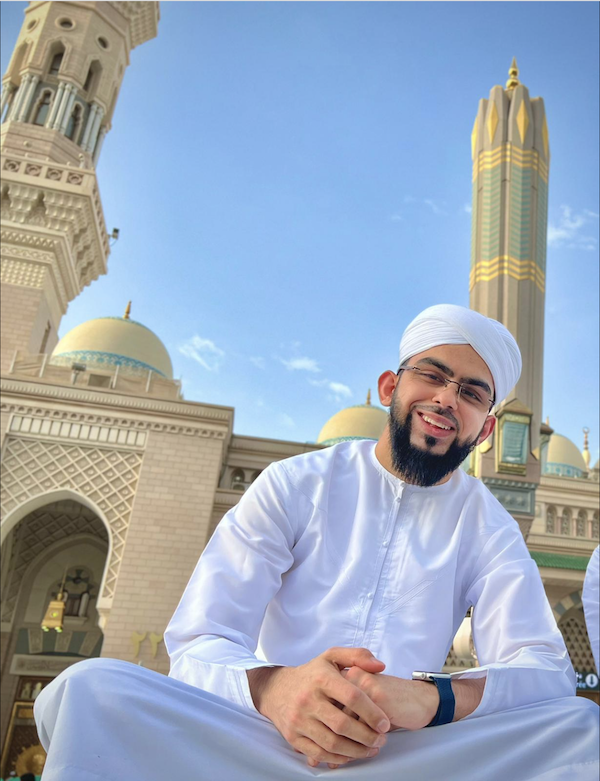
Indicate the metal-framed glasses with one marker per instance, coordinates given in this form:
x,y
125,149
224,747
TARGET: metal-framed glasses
x,y
471,395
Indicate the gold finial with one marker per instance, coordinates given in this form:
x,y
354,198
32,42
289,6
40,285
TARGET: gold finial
x,y
547,420
513,73
586,448
369,397
127,311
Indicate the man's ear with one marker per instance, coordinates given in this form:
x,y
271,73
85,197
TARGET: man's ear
x,y
386,386
488,427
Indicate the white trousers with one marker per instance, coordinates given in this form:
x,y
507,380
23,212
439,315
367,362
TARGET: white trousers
x,y
108,720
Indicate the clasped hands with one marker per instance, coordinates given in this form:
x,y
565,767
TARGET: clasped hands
x,y
339,707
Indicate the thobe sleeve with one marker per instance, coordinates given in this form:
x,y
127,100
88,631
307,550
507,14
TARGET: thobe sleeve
x,y
591,597
519,646
213,635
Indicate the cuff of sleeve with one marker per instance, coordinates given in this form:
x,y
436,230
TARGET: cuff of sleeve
x,y
487,700
240,687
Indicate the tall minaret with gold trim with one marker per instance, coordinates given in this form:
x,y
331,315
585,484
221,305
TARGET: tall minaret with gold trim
x,y
511,155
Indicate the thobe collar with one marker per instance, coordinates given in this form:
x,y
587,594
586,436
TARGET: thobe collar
x,y
401,487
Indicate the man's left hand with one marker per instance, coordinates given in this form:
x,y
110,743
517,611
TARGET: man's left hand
x,y
407,704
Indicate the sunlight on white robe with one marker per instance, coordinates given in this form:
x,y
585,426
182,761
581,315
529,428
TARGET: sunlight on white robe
x,y
108,720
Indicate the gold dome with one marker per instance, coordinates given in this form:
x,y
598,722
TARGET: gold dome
x,y
107,342
564,458
360,422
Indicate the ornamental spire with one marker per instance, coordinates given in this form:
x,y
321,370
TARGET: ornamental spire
x,y
368,402
127,311
513,73
586,448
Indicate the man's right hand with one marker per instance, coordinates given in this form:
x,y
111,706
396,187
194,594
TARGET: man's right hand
x,y
305,704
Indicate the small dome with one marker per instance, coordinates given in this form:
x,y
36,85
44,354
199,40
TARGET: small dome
x,y
107,342
360,422
563,458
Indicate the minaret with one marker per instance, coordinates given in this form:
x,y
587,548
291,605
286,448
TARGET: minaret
x,y
511,157
58,98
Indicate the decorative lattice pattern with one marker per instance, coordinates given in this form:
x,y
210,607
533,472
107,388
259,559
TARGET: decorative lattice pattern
x,y
36,533
106,477
577,641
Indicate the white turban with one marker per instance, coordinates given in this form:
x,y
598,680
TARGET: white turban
x,y
451,324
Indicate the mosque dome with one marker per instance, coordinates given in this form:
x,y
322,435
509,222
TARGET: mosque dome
x,y
362,421
563,458
107,342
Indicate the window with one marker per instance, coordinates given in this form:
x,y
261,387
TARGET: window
x,y
66,24
88,80
565,521
102,43
581,523
74,123
238,480
551,520
56,63
99,381
41,113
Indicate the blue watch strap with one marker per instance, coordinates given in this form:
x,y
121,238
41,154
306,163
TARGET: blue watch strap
x,y
445,711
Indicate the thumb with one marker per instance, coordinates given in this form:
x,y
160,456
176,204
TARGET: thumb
x,y
354,657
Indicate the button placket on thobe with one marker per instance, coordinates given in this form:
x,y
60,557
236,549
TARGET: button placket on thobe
x,y
374,588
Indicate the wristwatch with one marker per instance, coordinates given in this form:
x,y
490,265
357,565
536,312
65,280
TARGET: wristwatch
x,y
445,711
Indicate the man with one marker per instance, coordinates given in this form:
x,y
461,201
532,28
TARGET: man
x,y
591,598
350,568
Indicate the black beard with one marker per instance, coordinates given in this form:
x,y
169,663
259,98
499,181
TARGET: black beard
x,y
421,467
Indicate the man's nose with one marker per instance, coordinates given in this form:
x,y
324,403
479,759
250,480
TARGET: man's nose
x,y
447,396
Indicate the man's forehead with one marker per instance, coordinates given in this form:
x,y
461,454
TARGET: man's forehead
x,y
461,359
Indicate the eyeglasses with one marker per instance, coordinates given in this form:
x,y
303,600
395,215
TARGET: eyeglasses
x,y
471,394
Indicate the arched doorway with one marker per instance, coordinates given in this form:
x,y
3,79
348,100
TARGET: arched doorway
x,y
56,537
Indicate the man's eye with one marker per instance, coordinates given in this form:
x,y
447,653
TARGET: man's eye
x,y
433,378
472,395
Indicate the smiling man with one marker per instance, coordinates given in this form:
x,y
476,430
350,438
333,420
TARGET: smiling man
x,y
317,622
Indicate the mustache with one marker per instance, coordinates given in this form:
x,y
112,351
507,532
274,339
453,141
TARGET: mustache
x,y
441,411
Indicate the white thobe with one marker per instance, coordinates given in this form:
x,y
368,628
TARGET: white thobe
x,y
330,549
591,598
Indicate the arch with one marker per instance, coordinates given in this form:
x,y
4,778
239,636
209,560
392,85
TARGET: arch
x,y
551,516
238,480
566,521
75,123
17,62
582,518
92,79
566,603
21,512
41,108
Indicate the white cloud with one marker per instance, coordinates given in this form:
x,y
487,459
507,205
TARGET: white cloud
x,y
338,390
467,208
286,421
203,351
437,207
568,231
257,361
397,218
301,364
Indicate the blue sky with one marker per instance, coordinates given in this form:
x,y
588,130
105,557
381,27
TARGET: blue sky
x,y
292,183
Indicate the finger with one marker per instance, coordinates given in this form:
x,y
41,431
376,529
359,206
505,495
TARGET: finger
x,y
336,744
356,700
317,754
354,657
342,724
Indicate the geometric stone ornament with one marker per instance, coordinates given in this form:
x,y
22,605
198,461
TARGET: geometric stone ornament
x,y
36,533
492,122
522,121
105,476
577,641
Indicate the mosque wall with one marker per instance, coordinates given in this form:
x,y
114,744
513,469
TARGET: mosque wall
x,y
168,531
23,318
